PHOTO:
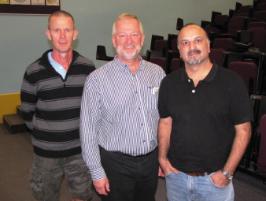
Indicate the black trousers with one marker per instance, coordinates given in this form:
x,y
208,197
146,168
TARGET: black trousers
x,y
131,178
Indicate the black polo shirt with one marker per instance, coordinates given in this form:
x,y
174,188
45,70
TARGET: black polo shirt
x,y
203,117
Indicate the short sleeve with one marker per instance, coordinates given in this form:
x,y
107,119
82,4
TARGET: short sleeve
x,y
241,110
162,100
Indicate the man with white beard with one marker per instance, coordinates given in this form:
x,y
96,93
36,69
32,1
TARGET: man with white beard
x,y
119,119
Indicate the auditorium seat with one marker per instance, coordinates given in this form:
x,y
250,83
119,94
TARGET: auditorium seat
x,y
101,53
259,15
217,56
153,39
247,71
226,44
175,64
261,163
161,61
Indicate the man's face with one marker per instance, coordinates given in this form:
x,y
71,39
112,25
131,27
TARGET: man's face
x,y
193,45
61,33
128,39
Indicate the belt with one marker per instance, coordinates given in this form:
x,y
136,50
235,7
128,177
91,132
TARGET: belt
x,y
138,156
196,174
130,156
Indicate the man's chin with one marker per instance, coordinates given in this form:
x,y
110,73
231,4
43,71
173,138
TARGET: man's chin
x,y
194,61
131,56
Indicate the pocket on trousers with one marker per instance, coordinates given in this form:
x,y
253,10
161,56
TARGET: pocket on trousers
x,y
211,181
172,174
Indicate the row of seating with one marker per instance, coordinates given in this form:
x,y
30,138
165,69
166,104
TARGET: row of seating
x,y
261,161
241,39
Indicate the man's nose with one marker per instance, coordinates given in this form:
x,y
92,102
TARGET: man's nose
x,y
192,45
129,39
62,34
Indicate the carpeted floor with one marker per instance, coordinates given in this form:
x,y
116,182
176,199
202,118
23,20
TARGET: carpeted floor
x,y
16,156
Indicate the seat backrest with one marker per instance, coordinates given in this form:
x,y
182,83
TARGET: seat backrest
x,y
224,43
153,39
217,56
161,61
236,23
247,71
238,5
214,14
101,53
261,6
179,24
258,38
221,21
257,24
261,162
160,45
172,41
259,15
175,64
244,11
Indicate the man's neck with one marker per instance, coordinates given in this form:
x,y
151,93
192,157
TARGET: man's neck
x,y
133,64
198,72
63,58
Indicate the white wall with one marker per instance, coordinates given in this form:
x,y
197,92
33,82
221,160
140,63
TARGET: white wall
x,y
22,37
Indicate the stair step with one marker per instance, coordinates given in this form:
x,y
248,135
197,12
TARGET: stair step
x,y
14,123
18,110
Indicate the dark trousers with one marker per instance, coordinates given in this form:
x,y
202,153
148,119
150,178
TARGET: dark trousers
x,y
131,178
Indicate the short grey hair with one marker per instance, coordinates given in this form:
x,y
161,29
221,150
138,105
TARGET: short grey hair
x,y
127,15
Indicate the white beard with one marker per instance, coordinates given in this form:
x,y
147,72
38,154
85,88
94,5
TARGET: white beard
x,y
128,55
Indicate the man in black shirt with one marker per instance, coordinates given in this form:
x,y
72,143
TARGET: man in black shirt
x,y
204,125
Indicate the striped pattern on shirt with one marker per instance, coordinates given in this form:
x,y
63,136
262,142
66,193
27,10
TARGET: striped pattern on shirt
x,y
50,105
119,112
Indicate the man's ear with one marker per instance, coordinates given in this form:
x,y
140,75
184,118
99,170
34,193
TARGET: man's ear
x,y
142,40
76,33
48,35
209,46
113,41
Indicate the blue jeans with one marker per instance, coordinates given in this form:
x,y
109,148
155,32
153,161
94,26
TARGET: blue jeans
x,y
182,187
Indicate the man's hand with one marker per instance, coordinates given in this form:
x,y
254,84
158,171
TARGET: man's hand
x,y
167,167
219,180
102,186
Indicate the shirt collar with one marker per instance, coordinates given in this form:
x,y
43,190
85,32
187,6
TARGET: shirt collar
x,y
210,77
124,66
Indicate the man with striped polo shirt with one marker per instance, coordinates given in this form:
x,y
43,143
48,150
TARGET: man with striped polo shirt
x,y
51,94
119,119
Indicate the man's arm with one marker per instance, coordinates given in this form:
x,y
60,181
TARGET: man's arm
x,y
242,137
241,140
90,117
164,133
28,100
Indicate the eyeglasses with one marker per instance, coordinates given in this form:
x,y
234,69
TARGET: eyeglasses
x,y
126,35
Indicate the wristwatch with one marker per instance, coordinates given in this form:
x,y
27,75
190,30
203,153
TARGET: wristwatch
x,y
227,175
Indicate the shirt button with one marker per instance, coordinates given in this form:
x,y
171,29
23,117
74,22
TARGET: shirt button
x,y
193,91
189,80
